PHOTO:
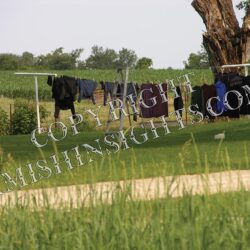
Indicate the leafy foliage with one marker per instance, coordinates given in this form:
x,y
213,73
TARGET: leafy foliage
x,y
144,63
27,60
126,58
197,61
109,59
24,118
4,122
102,59
59,60
9,62
243,5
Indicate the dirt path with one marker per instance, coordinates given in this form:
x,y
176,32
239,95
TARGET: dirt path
x,y
142,189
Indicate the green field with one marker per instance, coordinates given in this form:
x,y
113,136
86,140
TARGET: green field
x,y
191,150
22,86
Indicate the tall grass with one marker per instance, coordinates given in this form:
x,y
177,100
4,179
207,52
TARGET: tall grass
x,y
201,222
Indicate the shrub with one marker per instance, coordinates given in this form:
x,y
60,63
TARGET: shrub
x,y
24,117
4,123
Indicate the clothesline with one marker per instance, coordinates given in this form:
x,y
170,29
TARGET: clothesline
x,y
167,83
65,89
245,66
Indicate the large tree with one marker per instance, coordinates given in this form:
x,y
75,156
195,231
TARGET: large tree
x,y
9,61
225,41
126,58
59,60
144,63
101,58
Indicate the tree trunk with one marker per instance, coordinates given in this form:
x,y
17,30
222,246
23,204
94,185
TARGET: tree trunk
x,y
245,43
225,41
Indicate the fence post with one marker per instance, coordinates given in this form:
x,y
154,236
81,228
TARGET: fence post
x,y
11,119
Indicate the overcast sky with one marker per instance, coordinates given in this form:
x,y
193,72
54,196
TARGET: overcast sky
x,y
165,30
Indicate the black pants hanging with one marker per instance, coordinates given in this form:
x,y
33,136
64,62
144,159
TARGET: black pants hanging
x,y
64,105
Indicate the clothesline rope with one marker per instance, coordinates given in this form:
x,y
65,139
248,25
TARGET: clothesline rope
x,y
244,65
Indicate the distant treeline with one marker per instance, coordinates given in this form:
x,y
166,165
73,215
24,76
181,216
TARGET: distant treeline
x,y
100,58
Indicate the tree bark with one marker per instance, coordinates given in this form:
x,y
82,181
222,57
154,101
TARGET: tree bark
x,y
245,41
225,41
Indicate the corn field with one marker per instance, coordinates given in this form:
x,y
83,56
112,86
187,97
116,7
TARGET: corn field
x,y
12,86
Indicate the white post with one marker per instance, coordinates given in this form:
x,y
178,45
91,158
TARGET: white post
x,y
124,99
246,71
36,92
37,106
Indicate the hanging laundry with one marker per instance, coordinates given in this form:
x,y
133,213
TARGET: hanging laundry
x,y
132,89
50,80
233,81
160,108
65,105
146,96
220,91
245,108
178,101
209,91
71,87
108,88
197,99
64,90
86,89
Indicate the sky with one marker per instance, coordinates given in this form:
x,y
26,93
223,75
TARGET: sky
x,y
166,31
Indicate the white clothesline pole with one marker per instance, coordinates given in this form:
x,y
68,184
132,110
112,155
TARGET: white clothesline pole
x,y
37,106
245,65
36,93
124,97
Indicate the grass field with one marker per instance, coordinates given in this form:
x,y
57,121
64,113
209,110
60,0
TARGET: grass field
x,y
191,150
20,86
219,222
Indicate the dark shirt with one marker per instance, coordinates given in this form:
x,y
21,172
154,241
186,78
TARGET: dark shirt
x,y
132,89
70,87
197,99
86,89
178,101
160,108
208,92
233,81
146,96
64,90
245,108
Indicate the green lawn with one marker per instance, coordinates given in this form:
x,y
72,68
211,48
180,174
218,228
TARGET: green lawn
x,y
191,150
